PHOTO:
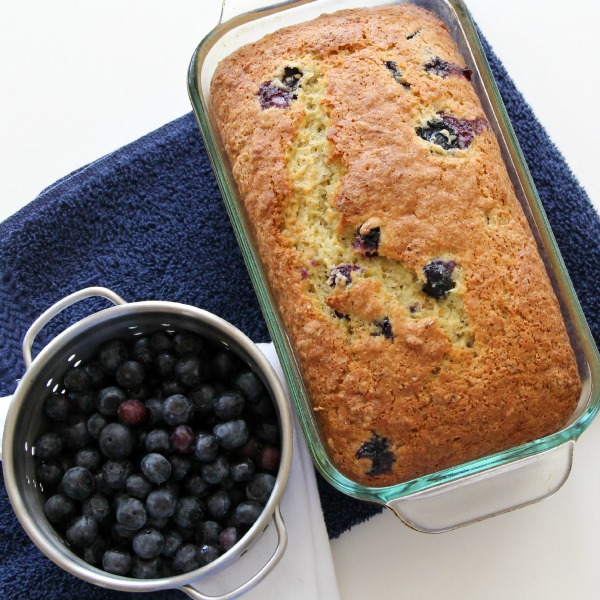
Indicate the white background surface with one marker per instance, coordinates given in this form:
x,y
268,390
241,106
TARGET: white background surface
x,y
80,79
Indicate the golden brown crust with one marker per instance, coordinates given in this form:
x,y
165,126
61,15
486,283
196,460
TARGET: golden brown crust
x,y
440,381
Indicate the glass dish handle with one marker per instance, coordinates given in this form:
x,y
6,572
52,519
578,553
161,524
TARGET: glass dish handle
x,y
235,8
486,494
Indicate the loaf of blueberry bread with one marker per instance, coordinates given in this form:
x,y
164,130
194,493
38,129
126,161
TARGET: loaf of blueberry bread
x,y
402,264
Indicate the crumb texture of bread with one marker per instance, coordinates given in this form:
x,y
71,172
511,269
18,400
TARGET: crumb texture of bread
x,y
402,264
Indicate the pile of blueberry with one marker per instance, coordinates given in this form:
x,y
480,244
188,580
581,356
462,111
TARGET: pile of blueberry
x,y
159,455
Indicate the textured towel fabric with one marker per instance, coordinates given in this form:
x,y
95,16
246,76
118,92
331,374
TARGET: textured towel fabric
x,y
147,221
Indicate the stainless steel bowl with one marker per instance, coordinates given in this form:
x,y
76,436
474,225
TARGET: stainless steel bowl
x,y
25,421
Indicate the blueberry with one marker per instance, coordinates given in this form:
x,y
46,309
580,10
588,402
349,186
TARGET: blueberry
x,y
268,431
142,392
96,372
165,364
451,132
95,424
444,69
206,447
249,385
242,470
378,452
138,486
187,558
82,530
116,441
76,379
142,351
440,133
132,412
154,411
260,488
108,400
342,273
101,486
194,485
88,458
117,562
65,462
247,512
78,483
113,354
121,536
84,401
130,374
58,407
97,507
291,78
208,553
180,466
217,471
392,67
203,398
173,541
145,569
48,446
131,513
161,503
148,543
189,512
116,473
228,538
438,277
338,315
190,370
229,405
186,342
48,475
73,433
384,328
367,244
231,434
93,553
171,387
156,468
262,409
161,341
159,441
208,532
59,508
273,94
182,439
218,504
224,365
177,410
268,458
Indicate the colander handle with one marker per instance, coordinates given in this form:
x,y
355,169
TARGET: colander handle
x,y
51,312
262,573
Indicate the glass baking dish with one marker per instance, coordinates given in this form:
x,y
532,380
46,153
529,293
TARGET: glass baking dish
x,y
471,491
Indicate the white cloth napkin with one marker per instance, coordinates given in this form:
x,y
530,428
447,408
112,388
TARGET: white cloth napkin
x,y
306,570
4,405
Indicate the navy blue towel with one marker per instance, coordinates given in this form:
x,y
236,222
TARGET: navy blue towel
x,y
148,222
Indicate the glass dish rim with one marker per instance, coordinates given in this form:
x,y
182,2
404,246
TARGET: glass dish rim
x,y
320,457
